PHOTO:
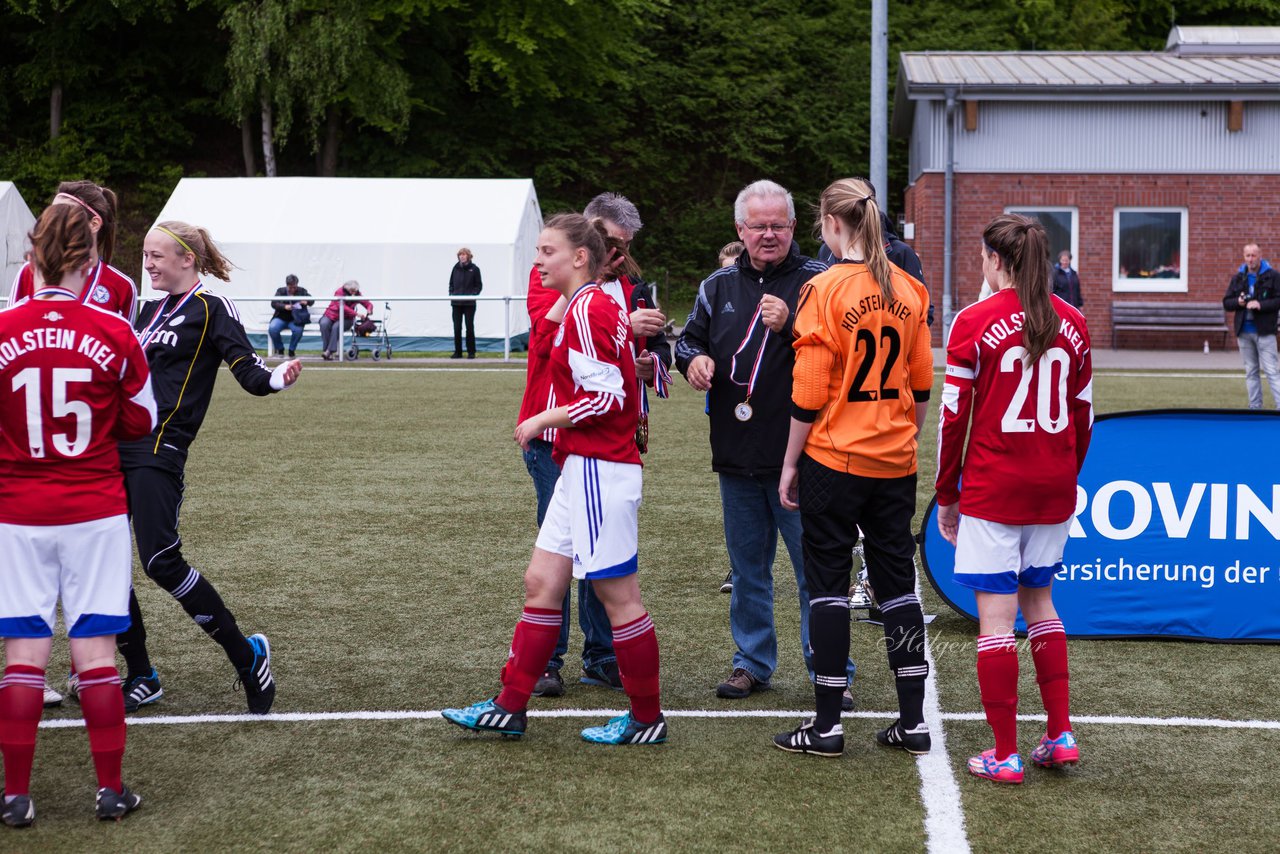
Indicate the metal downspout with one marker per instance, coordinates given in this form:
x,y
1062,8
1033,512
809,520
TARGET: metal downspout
x,y
948,205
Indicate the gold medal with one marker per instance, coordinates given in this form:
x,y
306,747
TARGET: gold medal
x,y
742,411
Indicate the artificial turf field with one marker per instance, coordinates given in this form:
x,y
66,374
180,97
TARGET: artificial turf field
x,y
375,523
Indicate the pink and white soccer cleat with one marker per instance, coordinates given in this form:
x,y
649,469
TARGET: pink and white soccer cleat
x,y
1008,770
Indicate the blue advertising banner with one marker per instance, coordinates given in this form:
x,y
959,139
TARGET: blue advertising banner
x,y
1176,533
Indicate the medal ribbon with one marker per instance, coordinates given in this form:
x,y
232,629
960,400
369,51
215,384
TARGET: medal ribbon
x,y
661,378
53,291
755,368
153,327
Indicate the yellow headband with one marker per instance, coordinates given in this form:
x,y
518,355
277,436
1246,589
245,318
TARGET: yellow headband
x,y
177,238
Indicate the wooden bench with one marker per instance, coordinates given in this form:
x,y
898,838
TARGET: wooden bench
x,y
1169,316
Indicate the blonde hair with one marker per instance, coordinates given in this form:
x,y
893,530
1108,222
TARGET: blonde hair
x,y
853,202
731,250
196,240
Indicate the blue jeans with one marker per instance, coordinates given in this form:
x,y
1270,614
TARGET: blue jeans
x,y
753,518
1259,353
276,326
597,633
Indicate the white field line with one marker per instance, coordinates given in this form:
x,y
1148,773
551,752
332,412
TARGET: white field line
x,y
943,812
707,714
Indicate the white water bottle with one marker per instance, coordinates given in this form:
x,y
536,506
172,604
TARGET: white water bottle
x,y
1206,348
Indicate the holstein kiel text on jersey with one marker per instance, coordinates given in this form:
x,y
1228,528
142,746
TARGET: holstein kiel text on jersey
x,y
62,339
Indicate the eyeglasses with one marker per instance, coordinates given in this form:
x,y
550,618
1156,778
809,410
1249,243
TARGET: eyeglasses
x,y
774,227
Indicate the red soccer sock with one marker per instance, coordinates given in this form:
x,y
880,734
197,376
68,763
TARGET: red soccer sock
x,y
636,645
998,684
21,704
531,647
103,707
1049,652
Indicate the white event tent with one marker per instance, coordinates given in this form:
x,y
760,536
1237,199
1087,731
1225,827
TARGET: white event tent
x,y
398,237
16,223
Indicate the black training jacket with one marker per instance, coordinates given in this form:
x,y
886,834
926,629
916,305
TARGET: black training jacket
x,y
1266,290
184,348
726,303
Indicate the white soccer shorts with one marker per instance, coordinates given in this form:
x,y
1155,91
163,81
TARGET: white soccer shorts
x,y
997,558
89,565
592,517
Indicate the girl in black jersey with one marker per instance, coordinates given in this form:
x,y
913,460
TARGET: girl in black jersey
x,y
186,336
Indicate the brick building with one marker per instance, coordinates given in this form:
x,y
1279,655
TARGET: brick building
x,y
1153,169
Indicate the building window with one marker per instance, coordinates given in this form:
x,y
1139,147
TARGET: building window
x,y
1149,250
1060,225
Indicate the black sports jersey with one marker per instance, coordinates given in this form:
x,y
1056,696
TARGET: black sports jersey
x,y
185,337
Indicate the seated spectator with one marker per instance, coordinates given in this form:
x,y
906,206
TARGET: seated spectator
x,y
291,312
330,335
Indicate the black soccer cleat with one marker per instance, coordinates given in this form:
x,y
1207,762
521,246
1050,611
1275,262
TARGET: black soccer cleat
x,y
259,684
805,739
19,812
138,691
915,741
111,805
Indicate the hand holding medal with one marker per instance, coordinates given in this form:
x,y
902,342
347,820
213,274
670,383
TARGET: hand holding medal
x,y
772,314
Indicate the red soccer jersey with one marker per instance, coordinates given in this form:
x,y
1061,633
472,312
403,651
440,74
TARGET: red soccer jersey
x,y
538,395
1031,426
73,382
106,288
593,372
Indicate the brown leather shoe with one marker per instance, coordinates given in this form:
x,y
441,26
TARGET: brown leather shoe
x,y
740,685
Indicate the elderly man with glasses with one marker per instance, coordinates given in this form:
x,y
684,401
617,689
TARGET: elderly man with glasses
x,y
736,347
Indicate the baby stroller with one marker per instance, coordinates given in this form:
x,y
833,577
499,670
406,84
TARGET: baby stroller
x,y
376,333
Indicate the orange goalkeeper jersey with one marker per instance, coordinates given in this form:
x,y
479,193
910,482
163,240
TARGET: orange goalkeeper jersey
x,y
862,364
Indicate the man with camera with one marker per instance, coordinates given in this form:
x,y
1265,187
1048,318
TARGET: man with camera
x,y
1254,296
291,312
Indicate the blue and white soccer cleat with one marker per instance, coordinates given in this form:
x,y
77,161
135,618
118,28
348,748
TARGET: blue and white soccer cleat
x,y
138,691
1056,752
111,805
19,812
488,716
259,684
625,729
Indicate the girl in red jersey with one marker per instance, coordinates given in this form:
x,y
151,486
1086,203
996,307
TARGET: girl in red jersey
x,y
73,381
105,286
1019,367
590,527
861,384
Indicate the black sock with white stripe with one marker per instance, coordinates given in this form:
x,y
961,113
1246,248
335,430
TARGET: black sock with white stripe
x,y
904,641
132,643
203,604
829,636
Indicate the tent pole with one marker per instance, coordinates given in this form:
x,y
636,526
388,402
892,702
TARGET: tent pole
x,y
506,328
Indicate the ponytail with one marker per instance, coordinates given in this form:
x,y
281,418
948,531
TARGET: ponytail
x,y
196,240
61,242
1023,247
853,202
